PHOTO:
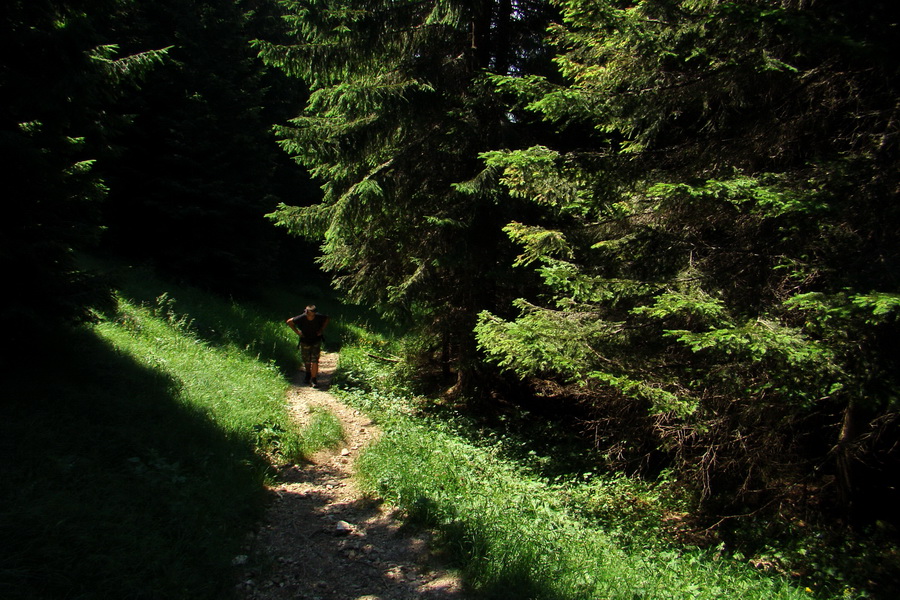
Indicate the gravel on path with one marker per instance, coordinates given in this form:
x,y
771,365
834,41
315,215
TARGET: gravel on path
x,y
322,539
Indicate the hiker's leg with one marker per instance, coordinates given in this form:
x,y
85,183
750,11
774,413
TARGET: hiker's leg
x,y
314,352
306,358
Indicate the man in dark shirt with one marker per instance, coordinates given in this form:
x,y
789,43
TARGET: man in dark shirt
x,y
310,326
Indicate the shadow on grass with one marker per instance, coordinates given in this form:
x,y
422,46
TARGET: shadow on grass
x,y
111,488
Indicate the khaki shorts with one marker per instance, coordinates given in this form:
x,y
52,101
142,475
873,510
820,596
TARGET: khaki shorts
x,y
309,353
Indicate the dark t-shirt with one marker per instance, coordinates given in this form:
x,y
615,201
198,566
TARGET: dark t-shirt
x,y
309,329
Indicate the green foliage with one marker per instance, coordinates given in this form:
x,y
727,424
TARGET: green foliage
x,y
690,302
123,70
515,537
538,174
492,494
537,243
676,217
769,197
756,341
397,113
884,307
534,344
838,309
697,267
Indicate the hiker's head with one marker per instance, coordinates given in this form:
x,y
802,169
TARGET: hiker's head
x,y
310,311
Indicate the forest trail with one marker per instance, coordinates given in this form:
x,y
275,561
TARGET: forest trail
x,y
322,539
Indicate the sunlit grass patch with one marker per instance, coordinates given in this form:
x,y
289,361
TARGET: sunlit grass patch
x,y
324,430
518,536
241,395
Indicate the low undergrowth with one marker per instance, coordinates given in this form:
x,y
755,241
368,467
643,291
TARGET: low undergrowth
x,y
516,533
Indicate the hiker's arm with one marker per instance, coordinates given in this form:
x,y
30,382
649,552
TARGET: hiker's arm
x,y
324,325
293,325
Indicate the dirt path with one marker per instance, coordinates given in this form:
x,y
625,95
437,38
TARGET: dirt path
x,y
322,540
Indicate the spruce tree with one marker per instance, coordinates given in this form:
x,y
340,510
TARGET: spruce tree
x,y
399,110
719,249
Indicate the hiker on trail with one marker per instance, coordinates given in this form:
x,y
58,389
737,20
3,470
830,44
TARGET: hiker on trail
x,y
310,326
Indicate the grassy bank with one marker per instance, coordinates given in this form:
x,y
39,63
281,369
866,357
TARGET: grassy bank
x,y
135,451
517,534
517,538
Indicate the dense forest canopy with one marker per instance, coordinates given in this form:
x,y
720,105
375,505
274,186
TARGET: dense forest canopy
x,y
705,191
675,219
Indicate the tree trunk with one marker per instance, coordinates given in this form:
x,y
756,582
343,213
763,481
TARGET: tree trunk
x,y
445,354
849,432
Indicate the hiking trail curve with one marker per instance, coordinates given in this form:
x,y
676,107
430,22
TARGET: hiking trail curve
x,y
322,539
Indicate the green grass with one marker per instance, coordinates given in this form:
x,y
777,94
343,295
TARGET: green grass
x,y
516,534
135,452
516,537
324,431
230,387
255,326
